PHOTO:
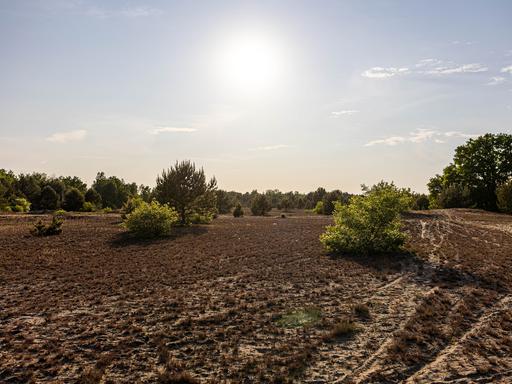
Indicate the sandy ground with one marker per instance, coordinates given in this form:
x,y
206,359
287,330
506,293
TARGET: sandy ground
x,y
92,305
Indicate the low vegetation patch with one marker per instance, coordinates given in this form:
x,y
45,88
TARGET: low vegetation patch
x,y
300,318
151,220
344,328
54,228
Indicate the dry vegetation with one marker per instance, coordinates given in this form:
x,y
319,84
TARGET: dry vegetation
x,y
255,299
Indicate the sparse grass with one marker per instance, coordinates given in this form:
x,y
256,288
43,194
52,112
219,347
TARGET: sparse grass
x,y
300,318
362,311
91,375
167,377
344,328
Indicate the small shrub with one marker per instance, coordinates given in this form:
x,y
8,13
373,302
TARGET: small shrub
x,y
362,310
130,205
60,212
260,205
504,197
369,223
197,218
107,210
420,202
88,207
344,328
238,211
21,205
454,196
54,228
151,220
319,208
73,200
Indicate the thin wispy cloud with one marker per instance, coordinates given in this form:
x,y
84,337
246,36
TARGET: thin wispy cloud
x,y
507,70
496,80
160,130
66,137
420,136
384,73
464,68
101,12
270,147
345,112
430,66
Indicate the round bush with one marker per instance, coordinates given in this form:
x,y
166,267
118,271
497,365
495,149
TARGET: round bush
x,y
151,220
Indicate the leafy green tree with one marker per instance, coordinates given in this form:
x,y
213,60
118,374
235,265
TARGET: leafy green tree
x,y
93,197
420,202
504,195
30,186
7,190
224,201
49,198
260,205
455,195
114,192
73,182
73,200
480,165
185,188
370,222
145,193
319,208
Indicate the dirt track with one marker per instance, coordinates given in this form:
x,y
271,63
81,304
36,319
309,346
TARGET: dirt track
x,y
92,304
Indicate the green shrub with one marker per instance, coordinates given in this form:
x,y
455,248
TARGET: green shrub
x,y
60,212
238,211
73,200
151,220
130,205
107,210
370,222
420,202
54,228
319,208
21,205
504,197
197,218
88,207
260,205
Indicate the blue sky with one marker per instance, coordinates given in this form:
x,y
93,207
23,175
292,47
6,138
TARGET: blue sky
x,y
269,94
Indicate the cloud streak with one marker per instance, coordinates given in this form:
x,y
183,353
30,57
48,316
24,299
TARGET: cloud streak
x,y
507,70
420,136
270,147
160,130
345,112
384,73
66,137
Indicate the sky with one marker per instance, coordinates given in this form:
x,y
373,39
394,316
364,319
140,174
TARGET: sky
x,y
262,94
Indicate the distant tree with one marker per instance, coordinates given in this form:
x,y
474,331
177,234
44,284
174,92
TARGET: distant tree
x,y
73,200
30,186
238,211
504,195
8,190
285,204
93,197
319,208
145,193
185,188
454,196
73,182
260,205
49,198
224,201
114,192
420,202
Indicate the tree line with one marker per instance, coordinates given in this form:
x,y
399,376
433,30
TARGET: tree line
x,y
480,176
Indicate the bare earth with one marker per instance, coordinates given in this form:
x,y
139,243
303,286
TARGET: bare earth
x,y
93,305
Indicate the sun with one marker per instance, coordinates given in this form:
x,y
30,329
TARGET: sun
x,y
250,63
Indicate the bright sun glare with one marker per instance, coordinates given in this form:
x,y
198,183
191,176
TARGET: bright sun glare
x,y
250,63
